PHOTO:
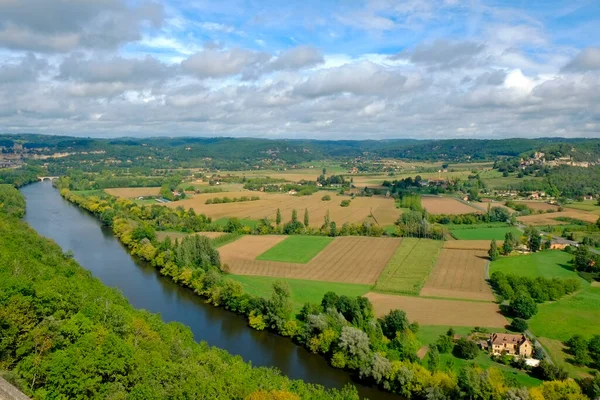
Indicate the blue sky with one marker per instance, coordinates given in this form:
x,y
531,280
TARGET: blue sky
x,y
319,69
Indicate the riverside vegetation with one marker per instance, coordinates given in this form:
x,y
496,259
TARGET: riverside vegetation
x,y
343,329
63,334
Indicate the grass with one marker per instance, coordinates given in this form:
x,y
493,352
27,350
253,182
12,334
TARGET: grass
x,y
252,223
409,267
296,249
547,264
428,334
578,313
586,205
495,233
303,291
556,349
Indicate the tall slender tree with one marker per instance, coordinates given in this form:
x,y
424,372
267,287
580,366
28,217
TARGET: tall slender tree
x,y
306,218
278,217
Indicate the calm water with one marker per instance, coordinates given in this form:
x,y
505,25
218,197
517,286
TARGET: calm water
x,y
97,250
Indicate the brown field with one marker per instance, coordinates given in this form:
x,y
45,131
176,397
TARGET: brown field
x,y
549,218
347,259
439,312
470,244
134,192
360,209
538,205
161,235
446,205
459,274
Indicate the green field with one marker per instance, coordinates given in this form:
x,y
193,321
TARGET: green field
x,y
578,313
547,264
303,291
495,233
586,205
252,223
409,267
296,249
428,334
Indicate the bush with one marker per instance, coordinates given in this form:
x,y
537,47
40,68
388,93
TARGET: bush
x,y
345,203
466,349
523,306
326,198
519,325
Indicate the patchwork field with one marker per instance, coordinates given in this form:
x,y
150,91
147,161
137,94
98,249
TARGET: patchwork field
x,y
360,209
483,245
538,205
459,274
347,259
296,249
495,233
440,312
586,205
446,205
409,267
550,218
134,192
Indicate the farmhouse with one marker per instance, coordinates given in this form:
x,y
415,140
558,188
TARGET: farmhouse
x,y
506,343
561,243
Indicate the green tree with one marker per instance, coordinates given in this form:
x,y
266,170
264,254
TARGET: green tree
x,y
294,216
324,171
534,240
523,306
306,218
509,243
519,325
493,251
332,229
278,217
393,322
466,349
433,358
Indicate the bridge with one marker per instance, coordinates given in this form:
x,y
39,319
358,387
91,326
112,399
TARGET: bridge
x,y
47,178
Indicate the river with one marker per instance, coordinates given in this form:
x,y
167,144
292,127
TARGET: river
x,y
98,250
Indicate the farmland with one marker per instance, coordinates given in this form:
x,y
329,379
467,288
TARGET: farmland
x,y
134,192
469,244
538,205
409,267
586,205
459,274
296,249
550,218
162,235
446,205
346,259
494,233
547,264
302,291
440,312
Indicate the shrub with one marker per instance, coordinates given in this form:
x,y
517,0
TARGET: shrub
x,y
326,198
345,203
466,349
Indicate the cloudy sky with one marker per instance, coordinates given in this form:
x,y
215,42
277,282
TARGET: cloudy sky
x,y
324,69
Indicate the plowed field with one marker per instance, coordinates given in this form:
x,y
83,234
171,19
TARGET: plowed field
x,y
346,259
459,274
446,205
440,312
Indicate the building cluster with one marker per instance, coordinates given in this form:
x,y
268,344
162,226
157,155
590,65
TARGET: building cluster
x,y
539,158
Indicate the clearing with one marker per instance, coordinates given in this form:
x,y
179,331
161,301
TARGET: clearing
x,y
296,249
547,264
459,274
303,291
409,267
550,218
446,205
440,312
495,233
350,259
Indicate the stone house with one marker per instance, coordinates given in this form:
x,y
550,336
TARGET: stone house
x,y
507,343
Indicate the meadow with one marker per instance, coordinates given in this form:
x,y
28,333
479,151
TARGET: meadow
x,y
494,233
586,205
547,264
296,249
409,267
302,290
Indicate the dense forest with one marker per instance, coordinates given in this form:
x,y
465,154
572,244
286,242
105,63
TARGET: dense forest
x,y
63,334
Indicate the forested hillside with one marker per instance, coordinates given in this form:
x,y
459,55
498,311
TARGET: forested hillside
x,y
64,335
